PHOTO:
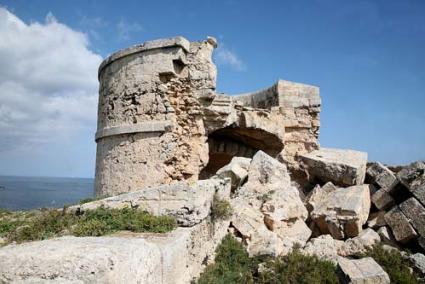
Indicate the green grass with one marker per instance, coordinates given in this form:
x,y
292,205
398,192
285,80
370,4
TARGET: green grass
x,y
297,268
233,265
220,209
397,267
87,200
20,227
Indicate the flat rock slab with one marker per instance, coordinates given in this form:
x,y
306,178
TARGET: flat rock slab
x,y
188,203
362,271
342,167
343,211
125,257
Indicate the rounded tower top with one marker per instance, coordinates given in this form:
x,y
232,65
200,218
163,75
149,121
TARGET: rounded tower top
x,y
148,45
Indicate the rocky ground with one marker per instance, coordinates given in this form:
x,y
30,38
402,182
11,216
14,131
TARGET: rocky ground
x,y
345,207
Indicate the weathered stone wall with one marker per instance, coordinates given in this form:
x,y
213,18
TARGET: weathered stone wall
x,y
160,119
150,128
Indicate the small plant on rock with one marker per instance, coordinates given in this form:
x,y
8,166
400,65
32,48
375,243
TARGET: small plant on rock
x,y
220,208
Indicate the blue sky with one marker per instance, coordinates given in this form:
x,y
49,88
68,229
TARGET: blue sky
x,y
368,57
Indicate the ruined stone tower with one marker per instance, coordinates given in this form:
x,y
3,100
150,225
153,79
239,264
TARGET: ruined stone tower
x,y
160,119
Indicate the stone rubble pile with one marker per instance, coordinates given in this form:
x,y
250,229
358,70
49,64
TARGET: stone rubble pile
x,y
340,217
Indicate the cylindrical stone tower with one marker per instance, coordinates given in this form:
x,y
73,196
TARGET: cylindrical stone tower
x,y
150,129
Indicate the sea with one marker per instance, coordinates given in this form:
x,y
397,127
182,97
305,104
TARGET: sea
x,y
24,193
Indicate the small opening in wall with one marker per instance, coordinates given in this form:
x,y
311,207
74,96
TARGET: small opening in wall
x,y
226,143
165,77
178,65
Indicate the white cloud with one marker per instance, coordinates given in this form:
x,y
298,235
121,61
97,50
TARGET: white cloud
x,y
224,56
125,29
48,82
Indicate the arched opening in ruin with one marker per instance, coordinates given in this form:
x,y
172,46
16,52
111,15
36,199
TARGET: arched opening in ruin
x,y
229,142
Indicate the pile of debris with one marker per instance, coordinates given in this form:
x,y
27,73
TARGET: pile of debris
x,y
340,217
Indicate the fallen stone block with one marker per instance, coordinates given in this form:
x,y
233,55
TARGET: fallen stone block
x,y
366,240
283,205
265,242
382,176
236,170
342,167
400,226
418,260
413,177
266,176
246,219
318,194
362,271
293,232
189,204
325,247
382,199
343,212
415,212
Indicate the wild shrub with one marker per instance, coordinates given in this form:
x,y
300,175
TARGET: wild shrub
x,y
297,268
398,268
220,209
233,265
51,223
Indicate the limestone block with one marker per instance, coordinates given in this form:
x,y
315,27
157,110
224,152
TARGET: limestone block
x,y
413,177
266,176
342,167
382,199
399,224
236,170
343,212
246,219
362,271
418,260
83,260
382,176
376,220
265,242
189,204
283,205
318,194
265,170
124,257
365,240
415,212
293,232
324,247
